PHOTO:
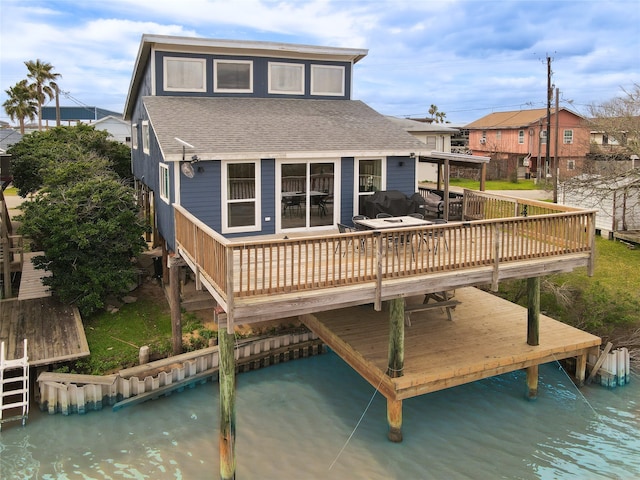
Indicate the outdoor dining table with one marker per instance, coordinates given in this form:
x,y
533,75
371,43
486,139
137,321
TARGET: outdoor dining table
x,y
393,222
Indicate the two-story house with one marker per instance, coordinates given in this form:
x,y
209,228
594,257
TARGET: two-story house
x,y
516,141
251,136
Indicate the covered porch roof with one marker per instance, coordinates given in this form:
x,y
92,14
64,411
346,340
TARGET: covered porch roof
x,y
445,160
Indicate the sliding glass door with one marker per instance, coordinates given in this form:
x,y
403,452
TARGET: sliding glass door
x,y
306,194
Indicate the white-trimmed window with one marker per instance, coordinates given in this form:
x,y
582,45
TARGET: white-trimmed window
x,y
498,134
568,136
145,136
370,173
571,165
543,137
286,78
183,74
134,136
240,194
432,142
233,76
327,80
521,137
165,186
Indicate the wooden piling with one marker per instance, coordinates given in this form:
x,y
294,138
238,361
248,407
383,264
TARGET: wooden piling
x,y
533,311
227,404
394,418
176,314
395,365
396,338
532,382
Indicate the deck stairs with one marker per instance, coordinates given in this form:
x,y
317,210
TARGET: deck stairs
x,y
14,387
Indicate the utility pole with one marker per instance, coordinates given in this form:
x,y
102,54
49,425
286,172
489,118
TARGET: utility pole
x,y
549,97
556,158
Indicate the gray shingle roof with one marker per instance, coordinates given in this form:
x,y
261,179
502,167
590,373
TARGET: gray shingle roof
x,y
235,128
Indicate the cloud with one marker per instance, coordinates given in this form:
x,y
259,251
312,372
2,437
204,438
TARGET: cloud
x,y
462,55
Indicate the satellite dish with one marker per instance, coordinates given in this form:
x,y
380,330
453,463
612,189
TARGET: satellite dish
x,y
187,169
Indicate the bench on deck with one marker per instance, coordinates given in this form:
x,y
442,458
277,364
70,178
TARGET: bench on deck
x,y
442,300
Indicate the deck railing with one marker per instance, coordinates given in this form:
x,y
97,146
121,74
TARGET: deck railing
x,y
238,269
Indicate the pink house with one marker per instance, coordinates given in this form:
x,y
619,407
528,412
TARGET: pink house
x,y
516,141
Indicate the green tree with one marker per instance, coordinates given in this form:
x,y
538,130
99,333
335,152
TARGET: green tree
x,y
21,103
44,83
40,150
86,222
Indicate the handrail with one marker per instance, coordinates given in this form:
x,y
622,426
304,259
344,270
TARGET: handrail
x,y
281,266
482,205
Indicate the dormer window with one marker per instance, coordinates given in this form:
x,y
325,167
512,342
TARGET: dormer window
x,y
286,78
185,74
327,80
233,76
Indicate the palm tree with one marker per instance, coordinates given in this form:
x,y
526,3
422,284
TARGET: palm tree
x,y
43,84
21,103
436,115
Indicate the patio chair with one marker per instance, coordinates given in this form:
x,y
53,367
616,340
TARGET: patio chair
x,y
292,203
342,228
436,235
355,219
360,228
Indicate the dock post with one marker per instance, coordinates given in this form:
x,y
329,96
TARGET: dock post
x,y
176,314
394,418
396,338
227,404
533,332
532,382
533,311
395,365
581,369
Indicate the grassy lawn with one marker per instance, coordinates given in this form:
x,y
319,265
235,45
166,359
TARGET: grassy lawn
x,y
499,184
607,304
115,338
11,191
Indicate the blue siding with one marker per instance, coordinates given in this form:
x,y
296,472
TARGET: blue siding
x,y
401,177
164,211
347,183
260,76
268,200
145,167
201,195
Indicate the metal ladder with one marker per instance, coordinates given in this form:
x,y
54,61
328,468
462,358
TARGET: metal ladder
x,y
14,388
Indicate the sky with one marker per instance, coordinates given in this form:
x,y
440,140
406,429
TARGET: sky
x,y
468,57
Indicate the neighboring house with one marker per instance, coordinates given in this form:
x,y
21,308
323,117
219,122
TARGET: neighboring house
x,y
436,136
516,141
119,129
250,136
8,137
69,115
616,199
603,142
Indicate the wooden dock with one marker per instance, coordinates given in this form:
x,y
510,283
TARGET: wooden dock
x,y
31,280
54,331
487,337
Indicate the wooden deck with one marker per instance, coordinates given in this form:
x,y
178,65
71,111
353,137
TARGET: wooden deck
x,y
31,286
487,337
54,332
257,279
